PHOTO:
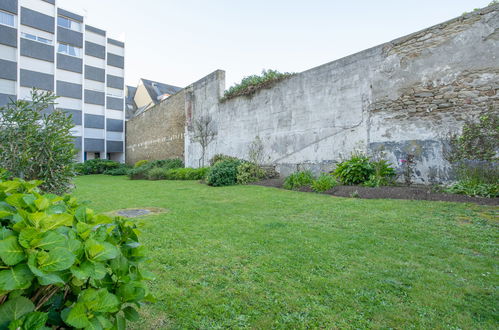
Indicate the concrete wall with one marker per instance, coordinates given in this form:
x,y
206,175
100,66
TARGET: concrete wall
x,y
157,133
401,97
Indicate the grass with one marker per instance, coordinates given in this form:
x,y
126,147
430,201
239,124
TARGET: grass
x,y
256,257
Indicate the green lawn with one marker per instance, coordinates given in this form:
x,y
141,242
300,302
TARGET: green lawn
x,y
255,257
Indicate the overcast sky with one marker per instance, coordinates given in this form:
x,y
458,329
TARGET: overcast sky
x,y
180,41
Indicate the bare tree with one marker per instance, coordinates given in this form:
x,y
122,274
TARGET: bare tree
x,y
256,151
204,133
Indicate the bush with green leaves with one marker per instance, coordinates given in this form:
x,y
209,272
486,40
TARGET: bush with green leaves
x,y
140,163
474,189
187,173
249,172
355,170
63,266
223,173
384,174
96,166
249,85
221,157
122,170
36,144
298,180
323,183
142,171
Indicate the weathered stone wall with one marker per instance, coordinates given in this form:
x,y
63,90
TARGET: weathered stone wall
x,y
401,97
157,133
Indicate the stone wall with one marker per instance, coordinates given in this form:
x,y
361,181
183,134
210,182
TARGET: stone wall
x,y
400,97
157,133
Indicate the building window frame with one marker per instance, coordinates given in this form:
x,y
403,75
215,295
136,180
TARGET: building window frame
x,y
69,50
33,37
3,19
68,23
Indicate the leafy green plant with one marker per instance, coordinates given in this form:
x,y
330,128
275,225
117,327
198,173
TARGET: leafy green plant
x,y
473,188
37,145
249,85
221,157
140,163
63,266
96,166
223,173
249,172
383,174
323,183
142,171
187,173
122,170
157,173
299,179
355,170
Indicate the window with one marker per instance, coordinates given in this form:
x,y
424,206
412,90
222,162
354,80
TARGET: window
x,y
69,24
69,50
36,38
6,19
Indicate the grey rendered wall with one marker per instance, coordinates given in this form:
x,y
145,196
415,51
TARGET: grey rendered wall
x,y
37,50
397,98
8,70
94,145
94,73
95,50
114,125
66,89
115,146
9,6
34,79
37,20
8,36
94,121
114,103
70,37
115,82
69,63
6,98
115,60
93,97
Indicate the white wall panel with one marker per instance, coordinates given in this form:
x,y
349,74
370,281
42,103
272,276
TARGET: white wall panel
x,y
7,87
115,136
95,38
115,92
113,49
95,85
69,103
38,33
33,64
94,133
77,130
40,6
114,114
94,109
96,62
8,53
112,70
72,77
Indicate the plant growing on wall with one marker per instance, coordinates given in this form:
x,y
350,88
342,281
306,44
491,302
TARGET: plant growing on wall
x,y
36,145
256,151
204,132
251,84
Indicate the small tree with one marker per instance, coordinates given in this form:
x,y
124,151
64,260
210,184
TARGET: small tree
x,y
204,133
35,145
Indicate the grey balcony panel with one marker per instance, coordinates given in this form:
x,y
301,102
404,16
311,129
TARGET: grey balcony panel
x,y
114,103
37,20
115,42
69,37
50,1
94,145
8,70
94,73
95,30
114,125
93,97
69,63
67,89
39,80
115,82
8,36
95,50
115,60
76,115
69,14
94,121
77,142
9,6
114,146
6,99
37,50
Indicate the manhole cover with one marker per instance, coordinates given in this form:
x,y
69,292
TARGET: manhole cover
x,y
133,213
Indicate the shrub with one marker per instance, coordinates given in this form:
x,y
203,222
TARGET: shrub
x,y
323,183
249,172
140,163
223,173
355,170
221,157
157,173
64,266
122,170
141,172
36,145
383,174
96,166
473,188
299,179
251,84
187,173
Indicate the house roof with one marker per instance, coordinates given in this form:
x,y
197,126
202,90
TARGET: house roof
x,y
157,89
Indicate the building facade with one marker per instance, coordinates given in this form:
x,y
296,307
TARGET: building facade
x,y
50,48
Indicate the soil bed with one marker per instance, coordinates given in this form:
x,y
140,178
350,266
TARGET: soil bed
x,y
393,192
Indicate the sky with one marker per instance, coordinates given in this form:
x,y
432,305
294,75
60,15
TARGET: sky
x,y
180,41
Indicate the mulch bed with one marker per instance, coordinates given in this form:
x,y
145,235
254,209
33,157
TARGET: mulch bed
x,y
392,192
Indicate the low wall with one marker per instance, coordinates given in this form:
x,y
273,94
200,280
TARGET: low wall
x,y
157,133
400,97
